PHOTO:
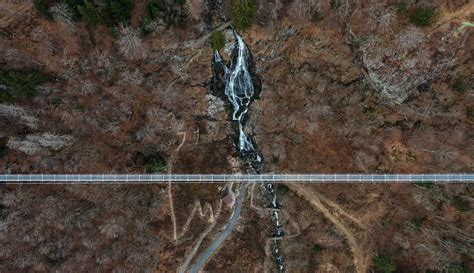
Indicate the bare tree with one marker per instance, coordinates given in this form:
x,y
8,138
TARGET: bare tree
x,y
18,112
323,6
129,77
410,38
343,8
37,142
63,15
112,229
386,20
130,43
302,10
195,8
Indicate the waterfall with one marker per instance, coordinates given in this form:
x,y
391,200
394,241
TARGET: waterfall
x,y
241,86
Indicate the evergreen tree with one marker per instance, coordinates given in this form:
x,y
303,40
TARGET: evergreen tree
x,y
217,40
243,13
42,8
120,10
89,13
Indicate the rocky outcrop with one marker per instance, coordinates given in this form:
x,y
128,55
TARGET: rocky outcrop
x,y
413,58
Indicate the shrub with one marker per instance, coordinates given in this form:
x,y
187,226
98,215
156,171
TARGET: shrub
x,y
155,164
425,185
42,7
217,40
316,17
417,222
458,268
401,7
52,261
470,113
460,204
120,10
20,84
383,263
3,212
459,86
275,160
282,189
79,107
243,13
172,12
74,4
316,248
89,13
114,32
359,41
336,4
422,17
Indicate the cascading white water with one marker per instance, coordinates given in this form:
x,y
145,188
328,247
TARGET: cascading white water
x,y
278,226
240,89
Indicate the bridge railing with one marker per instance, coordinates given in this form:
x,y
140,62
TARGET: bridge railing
x,y
244,178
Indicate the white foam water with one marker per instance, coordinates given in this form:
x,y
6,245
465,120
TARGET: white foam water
x,y
240,90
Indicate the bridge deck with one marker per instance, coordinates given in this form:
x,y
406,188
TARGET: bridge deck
x,y
220,178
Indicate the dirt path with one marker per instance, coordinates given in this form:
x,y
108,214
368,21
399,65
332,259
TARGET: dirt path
x,y
170,192
338,210
202,211
314,198
220,237
194,250
446,16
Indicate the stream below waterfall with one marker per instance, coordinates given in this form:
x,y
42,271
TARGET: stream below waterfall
x,y
238,84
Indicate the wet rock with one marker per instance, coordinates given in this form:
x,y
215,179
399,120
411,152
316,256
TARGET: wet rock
x,y
215,106
230,43
218,77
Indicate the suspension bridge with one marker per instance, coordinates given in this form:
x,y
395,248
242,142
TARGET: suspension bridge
x,y
240,178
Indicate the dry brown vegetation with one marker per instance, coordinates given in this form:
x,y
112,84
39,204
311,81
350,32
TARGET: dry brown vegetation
x,y
348,86
80,228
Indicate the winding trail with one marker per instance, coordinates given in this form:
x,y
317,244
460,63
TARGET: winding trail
x,y
360,259
170,193
337,209
196,247
197,208
211,249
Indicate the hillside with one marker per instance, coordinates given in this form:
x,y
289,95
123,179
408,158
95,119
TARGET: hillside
x,y
347,87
